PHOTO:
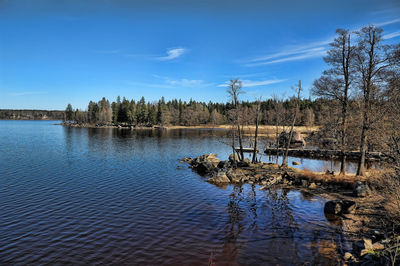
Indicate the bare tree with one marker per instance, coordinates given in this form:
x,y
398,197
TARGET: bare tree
x,y
278,113
257,119
284,161
335,83
234,90
372,61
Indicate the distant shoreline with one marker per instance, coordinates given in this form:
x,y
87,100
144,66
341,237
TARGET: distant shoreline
x,y
30,114
264,130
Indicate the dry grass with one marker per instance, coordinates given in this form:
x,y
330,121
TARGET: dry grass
x,y
387,183
264,130
342,180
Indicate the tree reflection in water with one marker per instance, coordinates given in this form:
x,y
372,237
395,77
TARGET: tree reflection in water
x,y
274,222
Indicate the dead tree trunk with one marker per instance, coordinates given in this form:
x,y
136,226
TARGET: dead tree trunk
x,y
278,111
254,159
234,89
233,147
284,162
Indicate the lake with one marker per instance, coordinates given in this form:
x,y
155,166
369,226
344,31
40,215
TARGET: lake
x,y
109,196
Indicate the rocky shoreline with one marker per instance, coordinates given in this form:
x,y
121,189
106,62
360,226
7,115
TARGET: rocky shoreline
x,y
352,203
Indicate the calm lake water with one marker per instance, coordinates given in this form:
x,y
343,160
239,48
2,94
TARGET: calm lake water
x,y
107,196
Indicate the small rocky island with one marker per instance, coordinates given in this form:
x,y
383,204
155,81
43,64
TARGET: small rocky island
x,y
352,203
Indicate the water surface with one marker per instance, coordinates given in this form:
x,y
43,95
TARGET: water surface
x,y
107,196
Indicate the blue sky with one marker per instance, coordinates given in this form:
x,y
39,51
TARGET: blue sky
x,y
57,52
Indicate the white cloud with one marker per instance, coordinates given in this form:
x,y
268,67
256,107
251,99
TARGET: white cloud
x,y
173,53
186,82
255,83
182,82
391,35
292,53
170,83
387,22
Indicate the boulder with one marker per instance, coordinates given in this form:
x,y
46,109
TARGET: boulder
x,y
333,207
297,138
295,163
223,164
312,186
219,178
204,167
236,176
338,207
212,158
361,189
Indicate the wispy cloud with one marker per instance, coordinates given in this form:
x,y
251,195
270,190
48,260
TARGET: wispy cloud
x,y
173,53
256,83
25,93
388,22
391,35
292,53
186,82
171,83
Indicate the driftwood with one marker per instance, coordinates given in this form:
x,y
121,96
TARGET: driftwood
x,y
328,154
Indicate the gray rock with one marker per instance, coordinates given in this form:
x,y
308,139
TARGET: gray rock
x,y
224,164
236,176
361,189
204,167
219,178
296,138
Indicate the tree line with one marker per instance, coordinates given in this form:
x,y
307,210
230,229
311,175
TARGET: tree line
x,y
191,113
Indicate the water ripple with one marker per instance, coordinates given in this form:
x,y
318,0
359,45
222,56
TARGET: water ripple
x,y
85,196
